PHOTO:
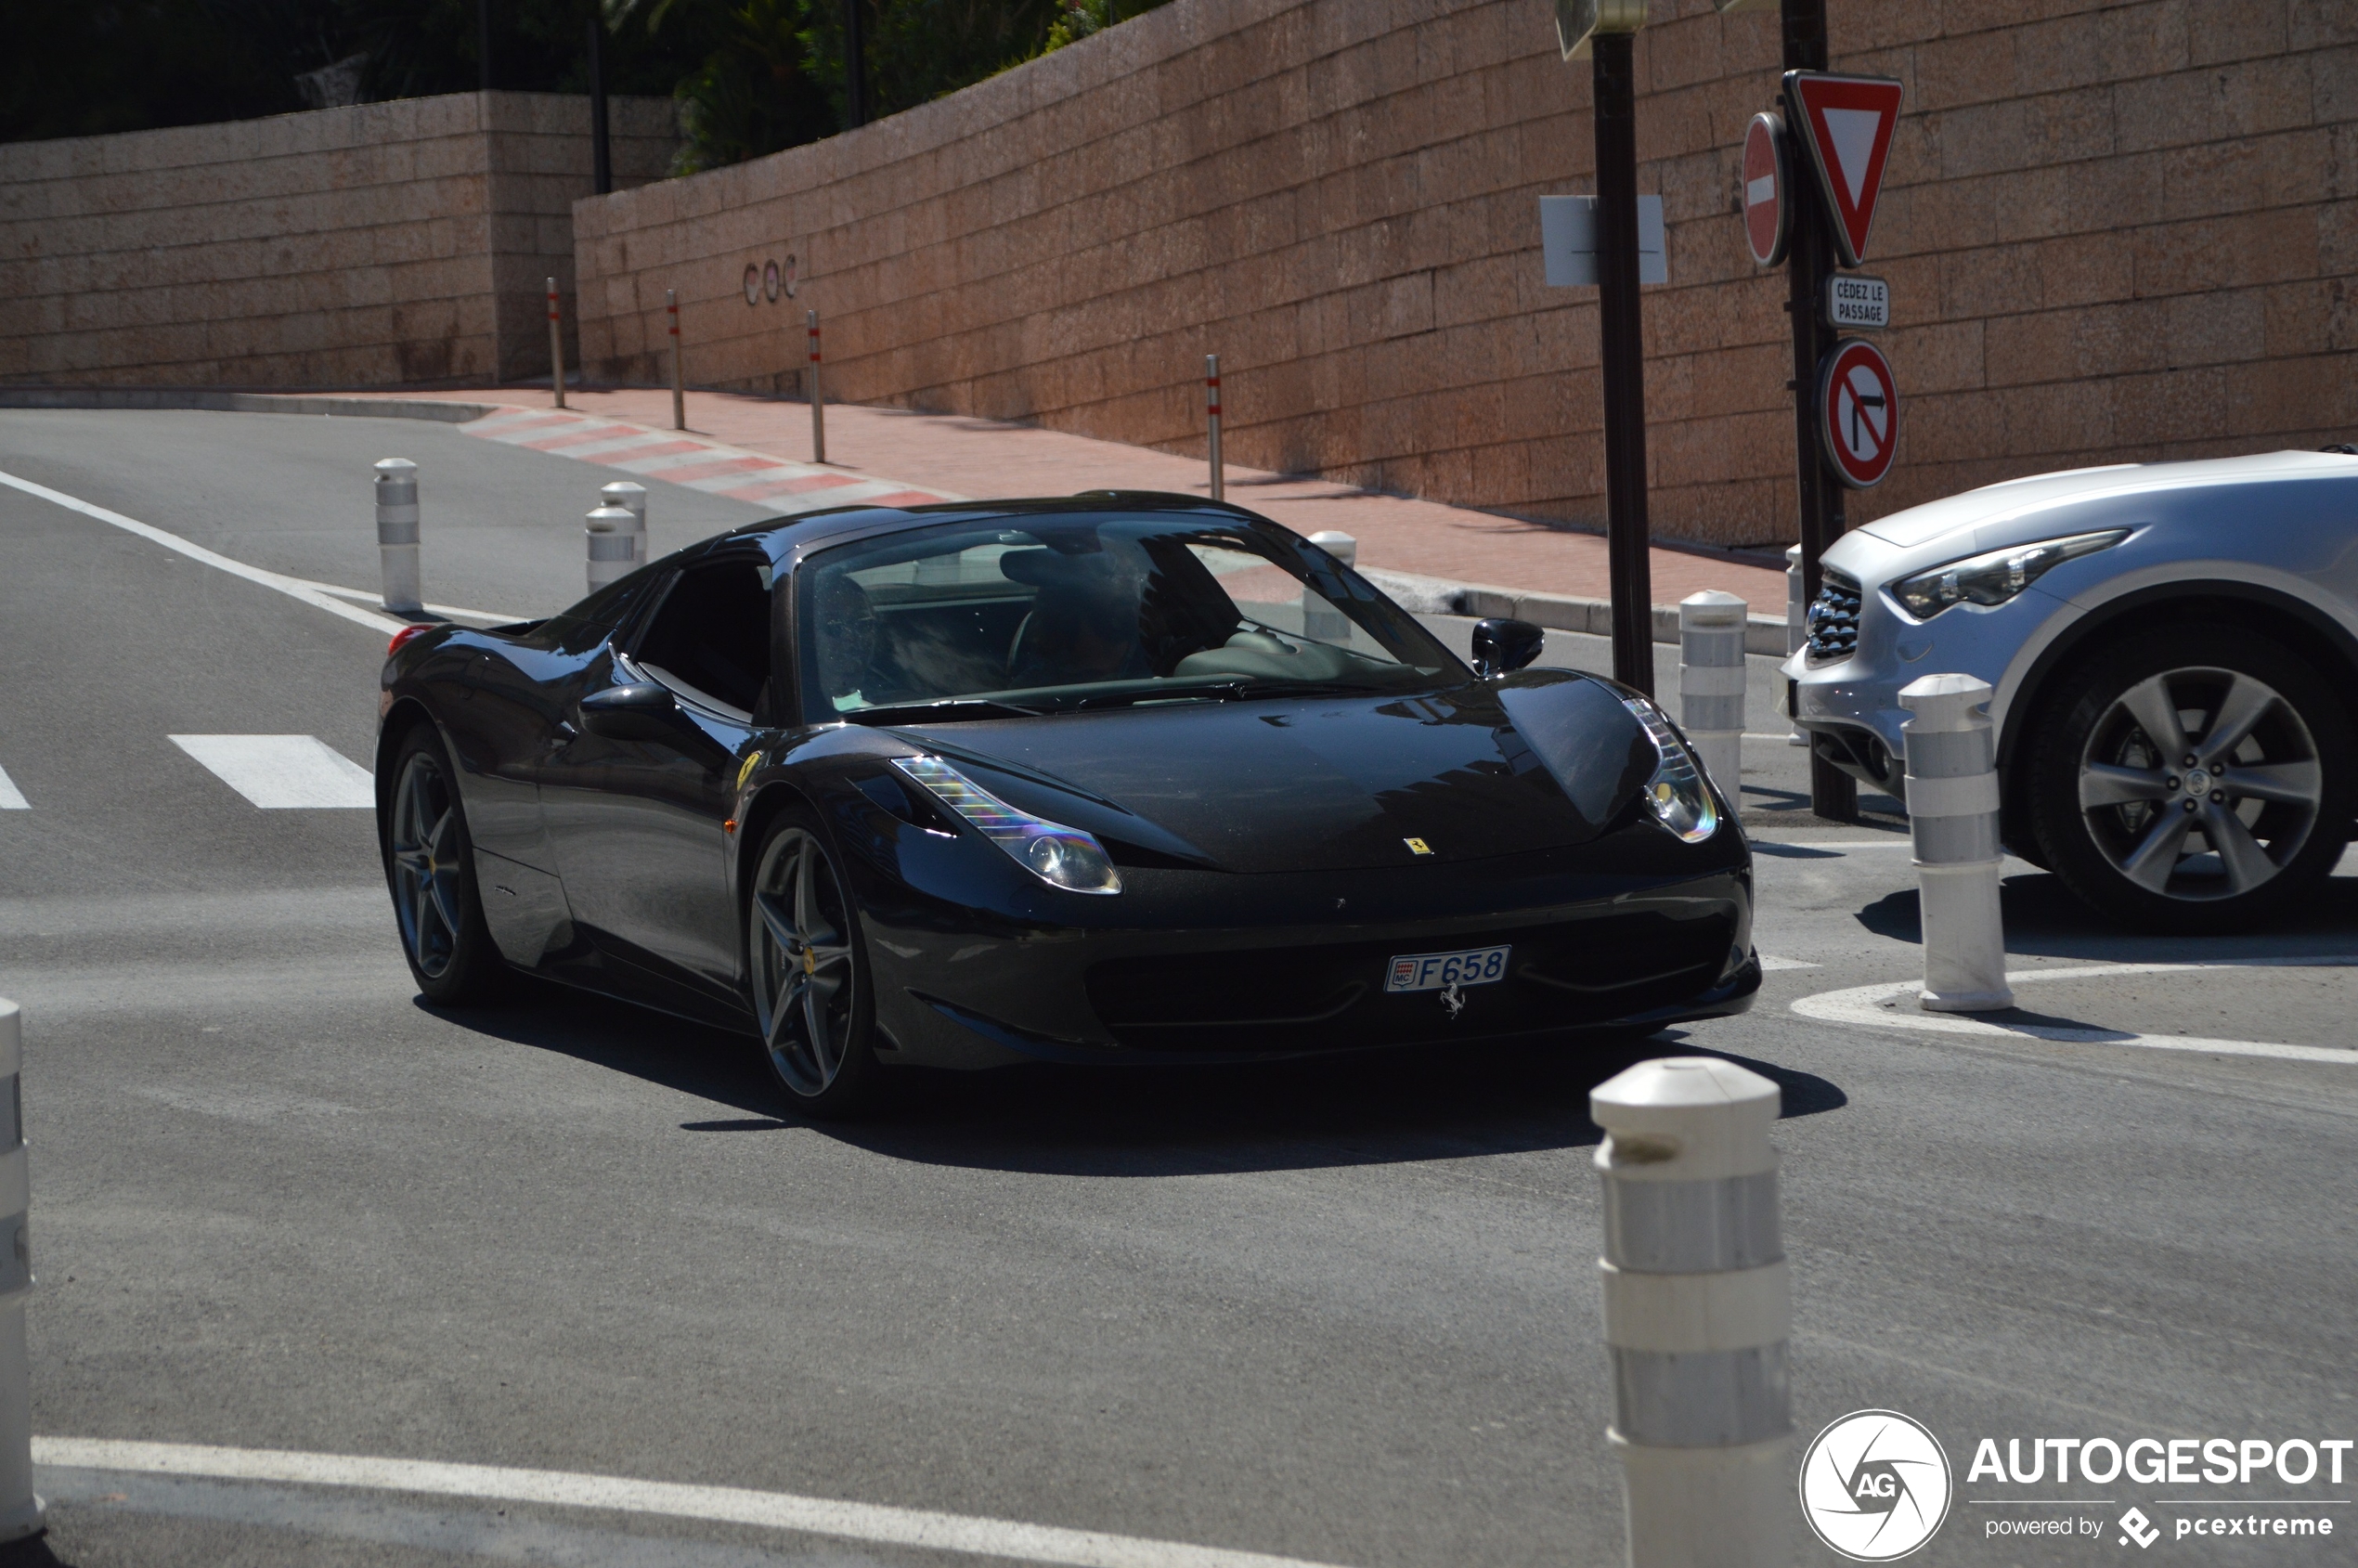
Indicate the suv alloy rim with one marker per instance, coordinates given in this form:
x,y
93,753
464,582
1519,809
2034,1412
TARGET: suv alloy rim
x,y
2200,784
425,865
802,966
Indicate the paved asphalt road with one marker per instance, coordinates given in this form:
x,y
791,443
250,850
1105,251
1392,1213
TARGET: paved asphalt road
x,y
1342,1312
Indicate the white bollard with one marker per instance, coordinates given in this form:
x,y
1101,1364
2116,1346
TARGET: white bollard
x,y
1698,1307
21,1512
609,533
1212,415
1320,620
1952,816
1796,632
632,498
818,396
556,347
397,490
1711,685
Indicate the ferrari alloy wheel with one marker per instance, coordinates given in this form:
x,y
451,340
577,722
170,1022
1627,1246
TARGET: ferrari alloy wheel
x,y
809,989
429,865
2193,780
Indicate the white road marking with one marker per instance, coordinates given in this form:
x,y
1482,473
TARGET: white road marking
x,y
11,797
294,587
735,1505
283,772
1892,1005
447,612
1770,960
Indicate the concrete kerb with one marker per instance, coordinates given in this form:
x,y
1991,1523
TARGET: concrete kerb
x,y
1560,611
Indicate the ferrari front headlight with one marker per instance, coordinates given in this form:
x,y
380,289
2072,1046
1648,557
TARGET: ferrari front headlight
x,y
1996,577
1676,793
1060,856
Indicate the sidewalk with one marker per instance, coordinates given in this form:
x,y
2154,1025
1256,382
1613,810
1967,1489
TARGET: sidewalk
x,y
891,452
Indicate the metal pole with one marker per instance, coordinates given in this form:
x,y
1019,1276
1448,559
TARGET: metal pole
x,y
1622,336
1212,416
1698,1310
1833,793
679,386
608,535
21,1510
1952,816
601,150
397,496
818,396
556,348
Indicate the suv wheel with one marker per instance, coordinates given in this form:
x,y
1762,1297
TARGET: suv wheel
x,y
2191,780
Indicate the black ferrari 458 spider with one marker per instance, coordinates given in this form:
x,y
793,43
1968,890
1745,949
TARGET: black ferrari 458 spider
x,y
1118,778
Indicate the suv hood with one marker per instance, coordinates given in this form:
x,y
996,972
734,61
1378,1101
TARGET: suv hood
x,y
2016,511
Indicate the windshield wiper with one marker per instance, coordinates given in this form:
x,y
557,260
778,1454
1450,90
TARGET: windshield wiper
x,y
940,707
1236,689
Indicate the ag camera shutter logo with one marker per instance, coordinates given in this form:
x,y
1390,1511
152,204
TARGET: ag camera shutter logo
x,y
1876,1486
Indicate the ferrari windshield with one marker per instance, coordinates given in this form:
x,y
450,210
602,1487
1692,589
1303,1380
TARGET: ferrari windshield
x,y
1050,613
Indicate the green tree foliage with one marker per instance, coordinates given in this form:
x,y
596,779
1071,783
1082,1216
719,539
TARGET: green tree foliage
x,y
752,76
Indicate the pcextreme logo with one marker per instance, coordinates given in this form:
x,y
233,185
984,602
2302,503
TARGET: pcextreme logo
x,y
1876,1486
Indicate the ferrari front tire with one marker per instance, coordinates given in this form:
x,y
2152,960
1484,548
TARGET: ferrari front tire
x,y
808,972
429,868
2196,779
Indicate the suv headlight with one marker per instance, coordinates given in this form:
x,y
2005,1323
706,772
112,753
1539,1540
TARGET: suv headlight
x,y
1676,793
1060,856
1997,577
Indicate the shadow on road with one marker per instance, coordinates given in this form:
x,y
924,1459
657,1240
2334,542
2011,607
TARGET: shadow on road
x,y
1381,1108
2043,918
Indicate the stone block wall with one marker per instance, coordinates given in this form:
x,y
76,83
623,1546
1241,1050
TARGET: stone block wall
x,y
2115,229
373,245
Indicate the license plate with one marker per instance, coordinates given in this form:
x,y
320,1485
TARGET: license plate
x,y
1436,971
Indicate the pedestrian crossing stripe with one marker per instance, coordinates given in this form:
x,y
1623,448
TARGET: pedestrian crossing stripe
x,y
284,772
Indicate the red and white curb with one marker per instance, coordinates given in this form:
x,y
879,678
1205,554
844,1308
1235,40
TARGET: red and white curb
x,y
677,457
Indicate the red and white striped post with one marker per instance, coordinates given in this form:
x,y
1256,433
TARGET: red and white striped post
x,y
1212,414
679,386
556,348
817,398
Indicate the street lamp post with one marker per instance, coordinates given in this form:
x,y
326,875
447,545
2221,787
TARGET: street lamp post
x,y
1606,32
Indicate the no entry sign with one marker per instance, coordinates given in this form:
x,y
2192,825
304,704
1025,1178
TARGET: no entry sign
x,y
1768,211
1857,412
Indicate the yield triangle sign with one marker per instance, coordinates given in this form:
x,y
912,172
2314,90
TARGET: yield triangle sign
x,y
1847,122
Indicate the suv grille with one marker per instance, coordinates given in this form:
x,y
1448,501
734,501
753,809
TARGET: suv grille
x,y
1834,618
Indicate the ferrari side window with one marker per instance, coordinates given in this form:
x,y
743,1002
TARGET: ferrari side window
x,y
710,640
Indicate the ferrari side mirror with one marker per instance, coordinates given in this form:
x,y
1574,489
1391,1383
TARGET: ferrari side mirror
x,y
643,711
1500,645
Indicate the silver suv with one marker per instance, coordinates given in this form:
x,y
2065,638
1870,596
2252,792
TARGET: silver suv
x,y
2174,653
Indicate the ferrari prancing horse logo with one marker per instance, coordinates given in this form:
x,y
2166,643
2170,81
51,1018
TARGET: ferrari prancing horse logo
x,y
1417,846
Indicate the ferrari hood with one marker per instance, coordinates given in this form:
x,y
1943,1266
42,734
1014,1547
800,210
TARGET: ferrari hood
x,y
1544,759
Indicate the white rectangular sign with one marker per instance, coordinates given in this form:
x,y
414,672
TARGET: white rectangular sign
x,y
1853,299
1568,241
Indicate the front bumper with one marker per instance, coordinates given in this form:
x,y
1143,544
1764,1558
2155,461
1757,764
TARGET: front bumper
x,y
1851,706
1632,930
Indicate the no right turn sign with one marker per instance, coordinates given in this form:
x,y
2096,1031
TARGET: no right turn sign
x,y
1858,412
